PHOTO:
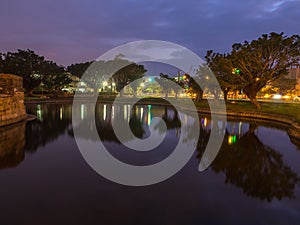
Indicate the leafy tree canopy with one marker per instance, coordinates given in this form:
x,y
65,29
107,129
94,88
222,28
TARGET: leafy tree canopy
x,y
254,64
30,66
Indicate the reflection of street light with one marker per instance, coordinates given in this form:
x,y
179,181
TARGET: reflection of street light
x,y
113,87
142,85
104,85
42,85
231,139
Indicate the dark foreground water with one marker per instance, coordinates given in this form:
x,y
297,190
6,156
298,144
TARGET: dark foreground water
x,y
45,180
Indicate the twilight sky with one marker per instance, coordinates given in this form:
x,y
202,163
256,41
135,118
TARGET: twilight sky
x,y
70,31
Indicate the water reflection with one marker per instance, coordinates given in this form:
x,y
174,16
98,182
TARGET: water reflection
x,y
52,121
12,148
247,163
139,119
251,165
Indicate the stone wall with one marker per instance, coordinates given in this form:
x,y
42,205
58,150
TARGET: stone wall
x,y
12,108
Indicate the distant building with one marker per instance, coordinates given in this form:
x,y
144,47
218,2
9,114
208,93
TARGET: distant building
x,y
294,73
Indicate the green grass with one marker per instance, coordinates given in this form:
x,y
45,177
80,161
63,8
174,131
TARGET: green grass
x,y
291,110
286,109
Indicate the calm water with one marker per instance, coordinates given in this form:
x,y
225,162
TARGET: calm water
x,y
44,179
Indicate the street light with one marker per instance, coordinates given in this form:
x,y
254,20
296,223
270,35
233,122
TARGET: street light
x,y
104,85
235,71
42,85
113,87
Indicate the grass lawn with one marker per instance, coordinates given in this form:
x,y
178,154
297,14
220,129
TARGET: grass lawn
x,y
279,108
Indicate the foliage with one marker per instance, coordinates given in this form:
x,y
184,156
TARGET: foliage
x,y
259,62
78,69
27,64
163,83
98,72
127,75
55,83
168,84
285,85
217,63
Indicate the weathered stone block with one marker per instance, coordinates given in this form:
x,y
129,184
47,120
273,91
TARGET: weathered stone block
x,y
12,108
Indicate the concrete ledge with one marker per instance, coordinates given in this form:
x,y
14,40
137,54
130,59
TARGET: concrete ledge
x,y
293,127
30,117
12,121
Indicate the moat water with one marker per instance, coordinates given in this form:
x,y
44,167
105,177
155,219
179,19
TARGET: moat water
x,y
45,180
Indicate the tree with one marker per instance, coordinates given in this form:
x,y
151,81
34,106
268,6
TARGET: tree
x,y
78,69
163,82
54,83
193,88
262,61
217,63
1,62
104,71
30,66
285,85
252,65
127,74
268,178
168,84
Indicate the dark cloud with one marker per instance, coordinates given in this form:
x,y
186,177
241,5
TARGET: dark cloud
x,y
69,31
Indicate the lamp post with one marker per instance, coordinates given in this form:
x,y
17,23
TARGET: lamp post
x,y
42,85
113,87
104,85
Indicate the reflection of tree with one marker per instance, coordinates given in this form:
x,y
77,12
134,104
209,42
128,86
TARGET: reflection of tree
x,y
104,124
256,168
12,148
55,121
135,124
295,142
171,122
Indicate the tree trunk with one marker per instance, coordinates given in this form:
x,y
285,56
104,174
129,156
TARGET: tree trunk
x,y
199,96
121,93
255,102
251,92
252,128
30,93
225,95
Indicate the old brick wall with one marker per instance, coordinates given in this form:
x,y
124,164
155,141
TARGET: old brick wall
x,y
12,108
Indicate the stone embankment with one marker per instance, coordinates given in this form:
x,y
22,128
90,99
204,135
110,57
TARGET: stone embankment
x,y
12,108
293,126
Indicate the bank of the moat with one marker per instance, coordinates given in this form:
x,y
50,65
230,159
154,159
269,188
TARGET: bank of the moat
x,y
293,126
